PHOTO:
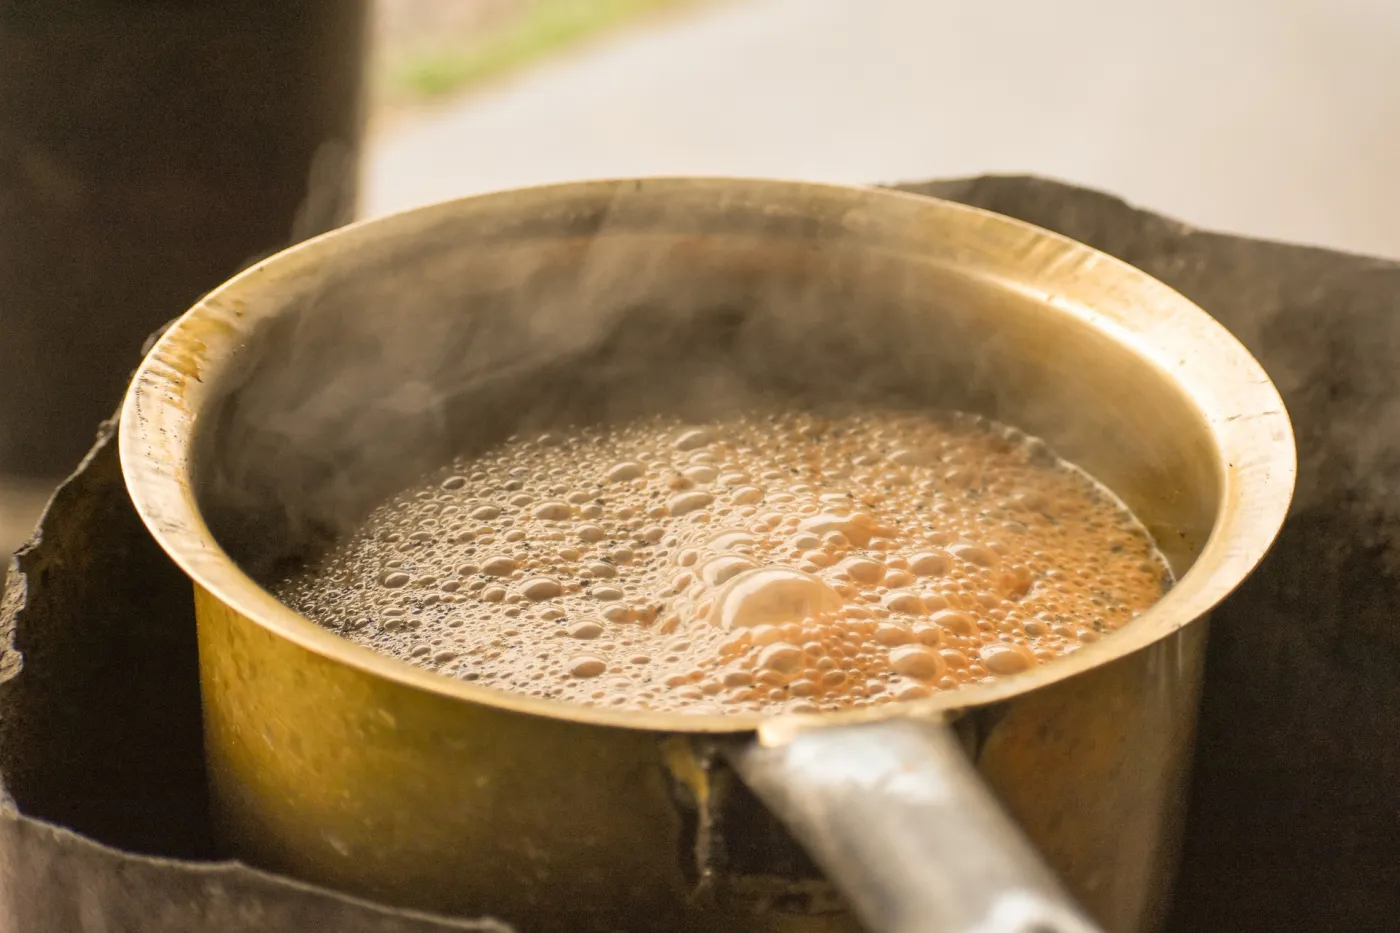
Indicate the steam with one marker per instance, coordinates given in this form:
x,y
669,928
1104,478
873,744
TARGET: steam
x,y
403,352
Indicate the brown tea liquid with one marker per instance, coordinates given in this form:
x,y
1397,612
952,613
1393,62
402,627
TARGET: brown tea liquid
x,y
772,561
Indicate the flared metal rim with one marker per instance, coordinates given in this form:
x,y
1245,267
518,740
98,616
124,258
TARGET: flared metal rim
x,y
1233,394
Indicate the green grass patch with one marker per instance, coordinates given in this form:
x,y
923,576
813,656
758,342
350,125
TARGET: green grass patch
x,y
545,27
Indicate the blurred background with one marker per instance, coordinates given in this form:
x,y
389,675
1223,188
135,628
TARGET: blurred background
x,y
1276,118
147,154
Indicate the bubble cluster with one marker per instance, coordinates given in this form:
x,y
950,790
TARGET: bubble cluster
x,y
771,561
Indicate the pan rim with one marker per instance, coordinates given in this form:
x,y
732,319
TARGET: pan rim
x,y
1233,394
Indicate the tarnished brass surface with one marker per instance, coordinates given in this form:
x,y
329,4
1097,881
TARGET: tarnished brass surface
x,y
344,766
1094,769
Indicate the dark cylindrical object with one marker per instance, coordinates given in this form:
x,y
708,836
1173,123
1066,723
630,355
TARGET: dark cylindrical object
x,y
148,151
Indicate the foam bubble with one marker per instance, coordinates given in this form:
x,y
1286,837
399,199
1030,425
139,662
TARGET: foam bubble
x,y
696,437
771,596
538,588
624,471
915,661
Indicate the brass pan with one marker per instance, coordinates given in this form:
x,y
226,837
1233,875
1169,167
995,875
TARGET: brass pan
x,y
321,378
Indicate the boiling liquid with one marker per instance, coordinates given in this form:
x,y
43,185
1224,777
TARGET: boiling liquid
x,y
768,562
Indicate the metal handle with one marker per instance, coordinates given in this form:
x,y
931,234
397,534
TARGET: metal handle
x,y
899,819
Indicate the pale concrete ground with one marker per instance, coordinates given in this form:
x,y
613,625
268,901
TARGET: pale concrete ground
x,y
21,502
1277,118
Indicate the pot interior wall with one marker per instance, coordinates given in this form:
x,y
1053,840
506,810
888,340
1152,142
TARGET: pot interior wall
x,y
400,347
